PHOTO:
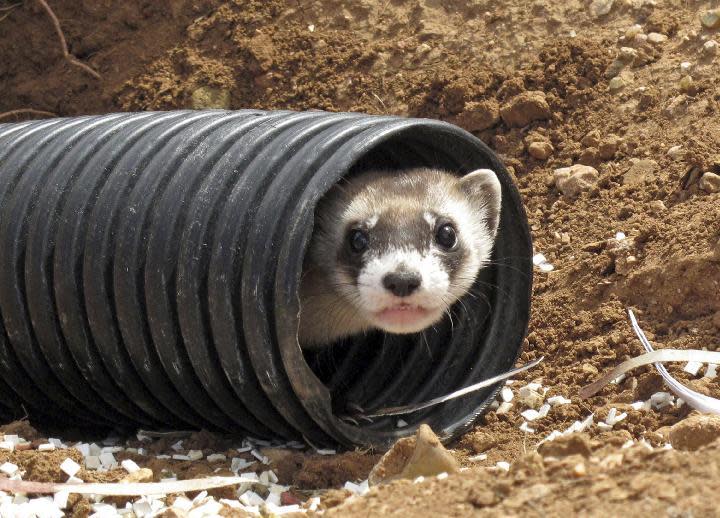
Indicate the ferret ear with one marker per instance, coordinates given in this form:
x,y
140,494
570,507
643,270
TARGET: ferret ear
x,y
483,188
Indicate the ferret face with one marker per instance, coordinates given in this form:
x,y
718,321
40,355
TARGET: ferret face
x,y
403,247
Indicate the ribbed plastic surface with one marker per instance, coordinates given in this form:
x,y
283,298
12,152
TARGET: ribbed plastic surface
x,y
150,264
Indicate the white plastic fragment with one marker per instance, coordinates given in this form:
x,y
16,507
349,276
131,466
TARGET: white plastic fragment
x,y
401,423
195,455
7,445
178,446
419,480
558,400
130,466
107,460
543,410
478,458
46,447
525,428
178,456
183,503
619,236
70,467
259,456
505,466
711,370
604,426
216,457
692,368
238,463
75,480
530,414
95,449
13,438
60,499
358,489
660,400
83,448
506,394
9,468
504,408
251,498
442,476
326,452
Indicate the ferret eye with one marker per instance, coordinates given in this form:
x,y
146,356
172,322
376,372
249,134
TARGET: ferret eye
x,y
358,241
445,236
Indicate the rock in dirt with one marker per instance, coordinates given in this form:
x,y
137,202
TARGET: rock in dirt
x,y
695,431
710,182
478,116
208,97
573,444
626,56
600,8
609,146
422,455
573,180
540,150
640,172
525,108
710,19
656,38
710,48
173,512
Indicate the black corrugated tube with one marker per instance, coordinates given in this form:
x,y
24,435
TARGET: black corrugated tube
x,y
150,264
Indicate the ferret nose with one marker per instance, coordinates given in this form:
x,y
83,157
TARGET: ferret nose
x,y
401,284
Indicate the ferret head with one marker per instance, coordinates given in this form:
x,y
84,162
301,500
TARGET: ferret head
x,y
402,247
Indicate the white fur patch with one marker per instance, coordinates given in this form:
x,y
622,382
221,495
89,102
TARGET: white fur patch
x,y
429,218
433,289
372,221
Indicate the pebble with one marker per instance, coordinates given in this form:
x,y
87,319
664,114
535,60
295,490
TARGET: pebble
x,y
711,19
609,146
525,108
540,150
695,431
674,152
633,31
656,38
616,84
685,67
428,458
657,207
599,8
710,48
686,84
710,182
640,172
625,57
573,180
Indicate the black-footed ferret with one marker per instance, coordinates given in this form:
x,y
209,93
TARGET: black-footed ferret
x,y
394,250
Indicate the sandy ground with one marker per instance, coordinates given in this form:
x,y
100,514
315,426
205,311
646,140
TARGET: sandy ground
x,y
547,85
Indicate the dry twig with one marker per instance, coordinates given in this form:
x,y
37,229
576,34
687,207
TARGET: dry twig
x,y
26,111
63,44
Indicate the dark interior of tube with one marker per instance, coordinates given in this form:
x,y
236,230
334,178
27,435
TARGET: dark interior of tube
x,y
379,370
